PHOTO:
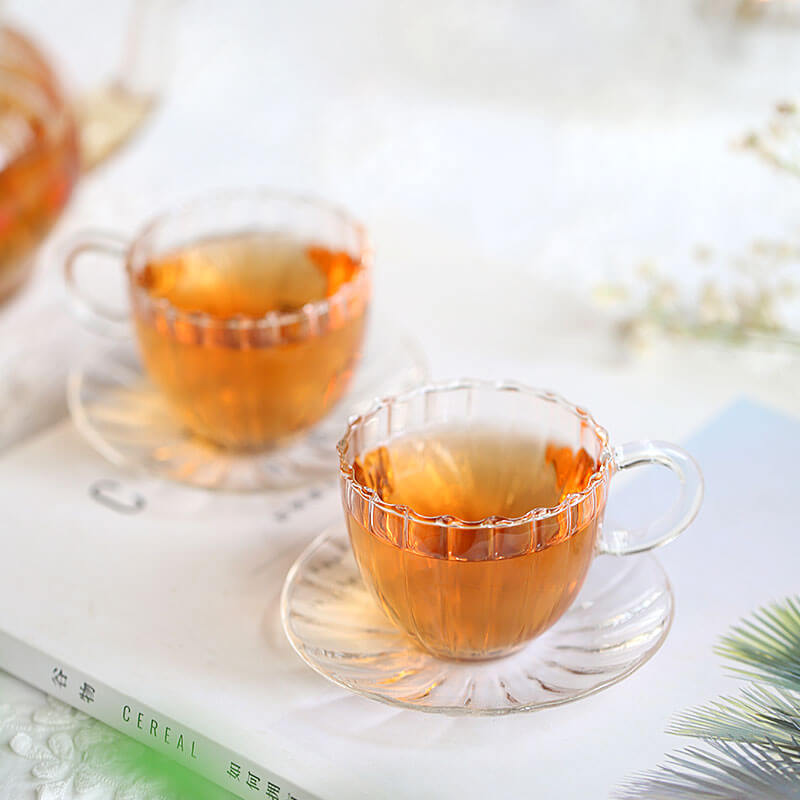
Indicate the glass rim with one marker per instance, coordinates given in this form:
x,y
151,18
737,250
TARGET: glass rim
x,y
599,476
274,319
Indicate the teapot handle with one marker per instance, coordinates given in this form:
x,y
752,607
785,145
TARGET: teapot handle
x,y
109,115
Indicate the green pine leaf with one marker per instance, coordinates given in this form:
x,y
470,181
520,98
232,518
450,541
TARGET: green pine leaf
x,y
751,743
768,646
760,716
720,771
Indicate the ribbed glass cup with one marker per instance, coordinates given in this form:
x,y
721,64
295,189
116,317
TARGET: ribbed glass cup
x,y
478,589
474,589
241,382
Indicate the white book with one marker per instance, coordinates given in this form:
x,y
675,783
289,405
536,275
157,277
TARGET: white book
x,y
154,608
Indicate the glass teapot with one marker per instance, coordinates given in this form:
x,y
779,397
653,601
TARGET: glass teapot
x,y
47,141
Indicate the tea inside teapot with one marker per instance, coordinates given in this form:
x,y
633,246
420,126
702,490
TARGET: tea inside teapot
x,y
47,139
39,154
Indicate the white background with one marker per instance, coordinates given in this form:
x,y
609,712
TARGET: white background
x,y
506,157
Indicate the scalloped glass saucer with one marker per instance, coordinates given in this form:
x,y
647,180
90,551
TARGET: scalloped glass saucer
x,y
618,621
124,417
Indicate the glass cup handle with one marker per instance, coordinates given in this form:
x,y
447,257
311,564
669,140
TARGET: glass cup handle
x,y
621,541
96,316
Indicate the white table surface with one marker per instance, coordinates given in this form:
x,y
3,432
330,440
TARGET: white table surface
x,y
506,156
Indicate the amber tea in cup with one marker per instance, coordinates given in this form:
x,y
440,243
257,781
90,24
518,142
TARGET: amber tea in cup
x,y
249,313
472,475
474,510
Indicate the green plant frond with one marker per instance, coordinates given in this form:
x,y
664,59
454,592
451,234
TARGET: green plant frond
x,y
768,645
751,747
759,716
720,771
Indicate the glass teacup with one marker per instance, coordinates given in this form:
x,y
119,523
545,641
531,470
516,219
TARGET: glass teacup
x,y
475,509
249,311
